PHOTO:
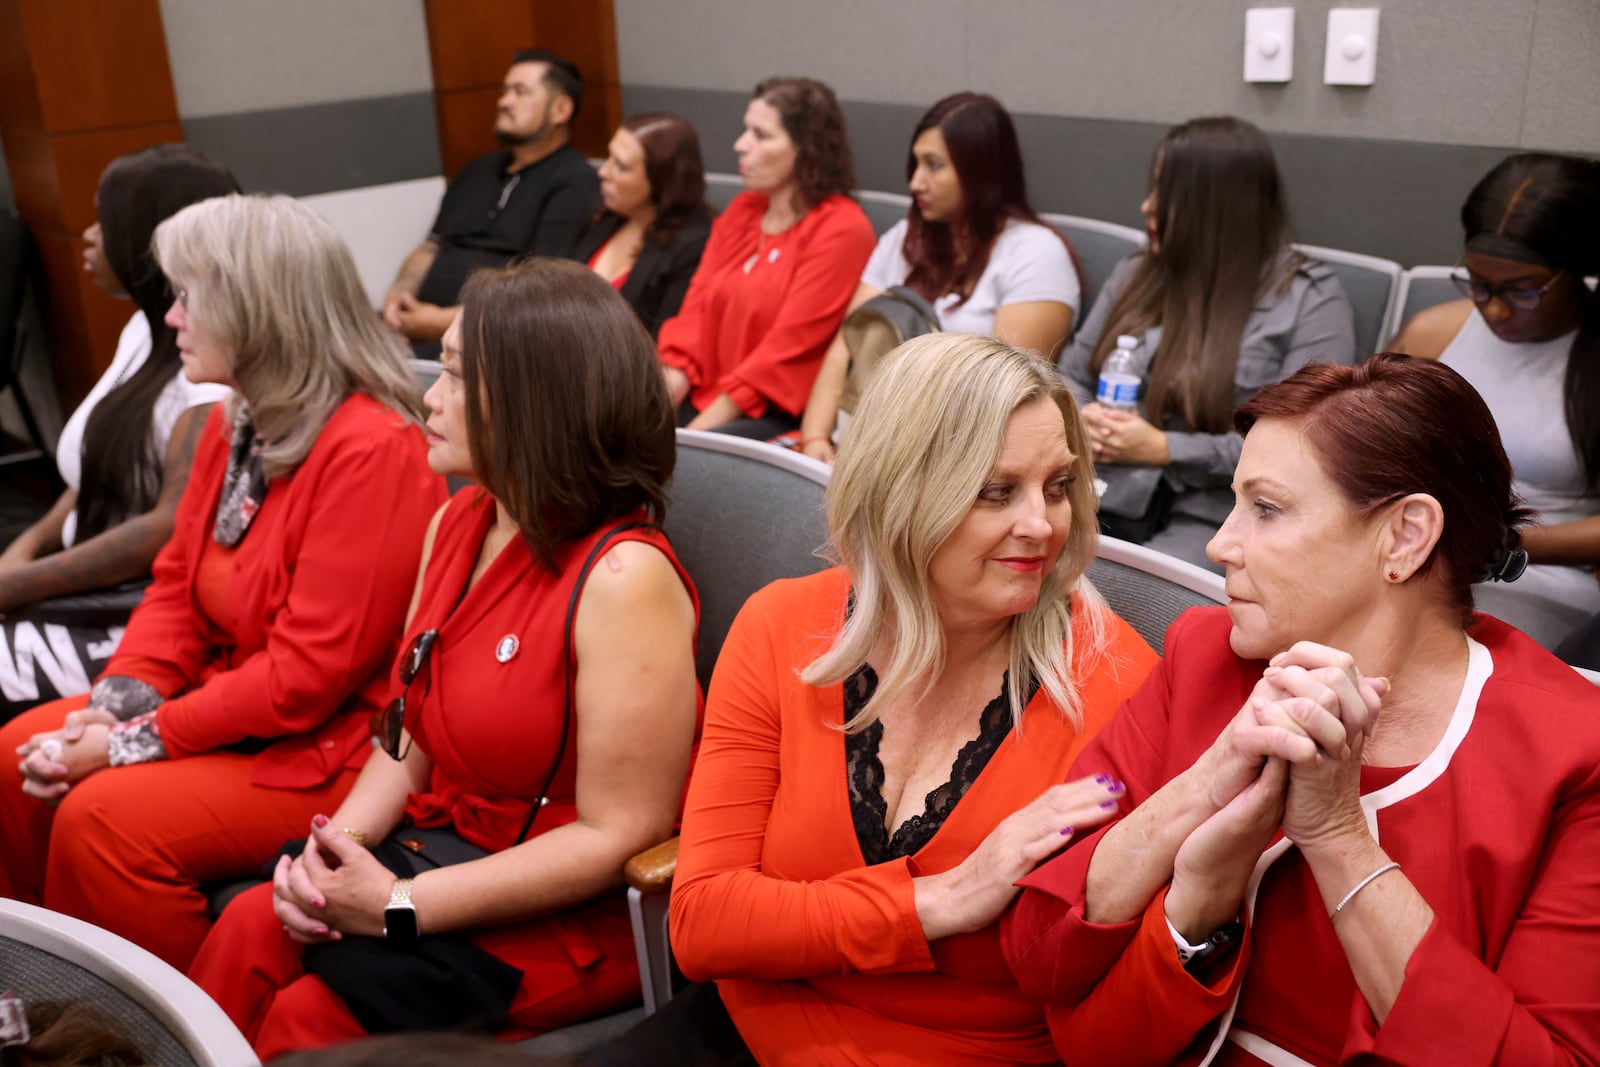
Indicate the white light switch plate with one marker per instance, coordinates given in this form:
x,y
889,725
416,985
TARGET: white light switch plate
x,y
1268,44
1352,56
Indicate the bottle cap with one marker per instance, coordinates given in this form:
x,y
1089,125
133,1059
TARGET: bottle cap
x,y
1127,340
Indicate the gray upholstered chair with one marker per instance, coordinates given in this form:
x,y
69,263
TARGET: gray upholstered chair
x,y
743,513
1371,284
45,956
1148,589
883,209
1100,247
721,189
1420,288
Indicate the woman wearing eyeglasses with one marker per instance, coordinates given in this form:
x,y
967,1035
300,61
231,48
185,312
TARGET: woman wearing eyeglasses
x,y
1533,352
546,707
236,705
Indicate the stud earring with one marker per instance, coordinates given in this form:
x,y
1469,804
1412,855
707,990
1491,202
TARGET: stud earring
x,y
1394,576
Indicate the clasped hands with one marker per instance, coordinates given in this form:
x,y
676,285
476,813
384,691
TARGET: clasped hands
x,y
1290,759
54,762
1124,437
334,887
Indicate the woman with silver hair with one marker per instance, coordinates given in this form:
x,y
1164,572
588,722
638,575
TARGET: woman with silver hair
x,y
237,704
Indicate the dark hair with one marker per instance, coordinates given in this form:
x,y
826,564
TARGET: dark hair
x,y
122,467
1545,208
672,166
1222,226
982,142
823,165
1393,426
560,74
568,421
70,1034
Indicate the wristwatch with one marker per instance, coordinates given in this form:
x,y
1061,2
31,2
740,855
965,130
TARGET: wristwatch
x,y
1223,940
400,917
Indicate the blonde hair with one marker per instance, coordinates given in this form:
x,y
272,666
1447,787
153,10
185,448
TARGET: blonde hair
x,y
924,441
274,283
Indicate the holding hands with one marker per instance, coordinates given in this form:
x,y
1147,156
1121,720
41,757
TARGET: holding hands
x,y
1124,437
54,762
334,887
1290,759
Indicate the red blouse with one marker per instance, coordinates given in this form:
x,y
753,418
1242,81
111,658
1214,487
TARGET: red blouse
x,y
620,280
491,718
763,308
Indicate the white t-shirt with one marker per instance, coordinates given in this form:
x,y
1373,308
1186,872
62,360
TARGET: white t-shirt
x,y
1029,262
133,348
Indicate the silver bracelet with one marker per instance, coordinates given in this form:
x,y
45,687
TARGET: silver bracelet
x,y
1393,865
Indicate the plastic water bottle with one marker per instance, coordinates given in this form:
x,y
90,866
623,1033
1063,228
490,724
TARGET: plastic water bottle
x,y
1119,376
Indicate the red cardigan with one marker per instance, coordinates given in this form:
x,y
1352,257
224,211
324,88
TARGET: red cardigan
x,y
1498,829
320,588
760,335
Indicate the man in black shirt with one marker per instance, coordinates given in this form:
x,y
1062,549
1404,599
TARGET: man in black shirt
x,y
534,197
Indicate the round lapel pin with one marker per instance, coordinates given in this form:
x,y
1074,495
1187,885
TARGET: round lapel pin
x,y
506,648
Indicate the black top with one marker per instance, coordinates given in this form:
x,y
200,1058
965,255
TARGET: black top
x,y
864,772
657,284
490,215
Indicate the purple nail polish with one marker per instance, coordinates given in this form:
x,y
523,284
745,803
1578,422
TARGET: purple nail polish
x,y
1066,831
1102,779
1115,787
1108,805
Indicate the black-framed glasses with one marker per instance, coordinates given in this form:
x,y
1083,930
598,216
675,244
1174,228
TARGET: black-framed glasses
x,y
389,725
1518,298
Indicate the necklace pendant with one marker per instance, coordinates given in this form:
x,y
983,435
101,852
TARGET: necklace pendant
x,y
507,648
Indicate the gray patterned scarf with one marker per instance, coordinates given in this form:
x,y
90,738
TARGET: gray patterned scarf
x,y
244,486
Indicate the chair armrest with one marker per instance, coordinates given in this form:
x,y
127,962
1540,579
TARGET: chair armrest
x,y
651,871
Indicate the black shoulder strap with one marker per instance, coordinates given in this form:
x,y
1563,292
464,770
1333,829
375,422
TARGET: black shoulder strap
x,y
566,667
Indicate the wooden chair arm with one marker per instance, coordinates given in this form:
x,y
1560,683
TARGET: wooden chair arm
x,y
651,871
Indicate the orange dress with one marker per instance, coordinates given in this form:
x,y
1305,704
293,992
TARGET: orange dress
x,y
819,957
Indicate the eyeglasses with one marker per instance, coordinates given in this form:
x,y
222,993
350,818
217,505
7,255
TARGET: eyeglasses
x,y
388,725
1481,292
183,299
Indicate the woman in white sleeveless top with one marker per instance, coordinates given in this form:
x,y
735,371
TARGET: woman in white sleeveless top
x,y
1532,350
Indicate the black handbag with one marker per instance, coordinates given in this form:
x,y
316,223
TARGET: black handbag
x,y
1137,502
444,981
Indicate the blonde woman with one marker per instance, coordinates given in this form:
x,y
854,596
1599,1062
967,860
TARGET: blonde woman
x,y
237,704
885,742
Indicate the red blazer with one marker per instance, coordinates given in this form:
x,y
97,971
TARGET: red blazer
x,y
821,958
320,589
1498,829
760,335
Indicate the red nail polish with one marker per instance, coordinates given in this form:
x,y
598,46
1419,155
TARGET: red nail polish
x,y
319,821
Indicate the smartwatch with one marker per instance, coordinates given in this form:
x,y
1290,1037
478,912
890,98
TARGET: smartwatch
x,y
1195,958
400,917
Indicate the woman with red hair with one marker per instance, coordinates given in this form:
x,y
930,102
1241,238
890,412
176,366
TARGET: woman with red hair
x,y
1364,817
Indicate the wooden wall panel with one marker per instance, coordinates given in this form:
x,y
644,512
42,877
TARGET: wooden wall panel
x,y
82,82
471,43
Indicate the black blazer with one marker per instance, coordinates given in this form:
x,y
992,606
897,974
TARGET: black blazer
x,y
657,284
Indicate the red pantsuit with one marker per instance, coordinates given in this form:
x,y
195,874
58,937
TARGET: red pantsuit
x,y
281,647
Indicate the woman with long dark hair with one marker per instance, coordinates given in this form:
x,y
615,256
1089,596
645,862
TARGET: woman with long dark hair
x,y
1222,305
648,239
1532,350
777,273
125,452
971,245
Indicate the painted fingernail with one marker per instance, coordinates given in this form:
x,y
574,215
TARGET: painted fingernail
x,y
1108,805
322,931
321,903
1103,779
1066,831
319,821
1115,787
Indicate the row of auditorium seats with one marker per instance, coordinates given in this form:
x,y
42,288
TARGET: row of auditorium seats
x,y
732,550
